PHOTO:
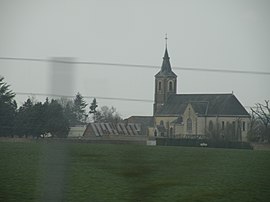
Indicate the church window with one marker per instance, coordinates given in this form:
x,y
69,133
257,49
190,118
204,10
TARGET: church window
x,y
233,123
211,126
233,127
171,131
189,125
222,125
161,123
159,85
170,86
244,126
155,133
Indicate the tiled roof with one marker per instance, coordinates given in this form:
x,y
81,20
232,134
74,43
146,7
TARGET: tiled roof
x,y
111,129
144,120
204,104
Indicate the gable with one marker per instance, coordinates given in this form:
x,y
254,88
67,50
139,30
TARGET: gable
x,y
204,105
189,111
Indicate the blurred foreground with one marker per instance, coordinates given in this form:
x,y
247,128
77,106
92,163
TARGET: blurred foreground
x,y
92,172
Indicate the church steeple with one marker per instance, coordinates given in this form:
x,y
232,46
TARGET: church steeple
x,y
166,65
165,82
166,69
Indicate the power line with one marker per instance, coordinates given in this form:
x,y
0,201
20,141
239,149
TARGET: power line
x,y
97,97
88,97
136,65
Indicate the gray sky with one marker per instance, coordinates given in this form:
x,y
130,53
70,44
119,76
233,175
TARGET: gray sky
x,y
218,34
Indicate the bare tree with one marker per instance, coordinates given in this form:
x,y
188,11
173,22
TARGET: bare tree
x,y
261,112
106,114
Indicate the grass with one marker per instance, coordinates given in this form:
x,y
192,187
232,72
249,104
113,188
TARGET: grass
x,y
92,172
18,171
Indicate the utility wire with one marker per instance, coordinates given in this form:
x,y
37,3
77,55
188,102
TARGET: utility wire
x,y
136,65
121,65
90,97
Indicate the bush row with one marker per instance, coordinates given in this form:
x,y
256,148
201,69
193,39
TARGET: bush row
x,y
203,143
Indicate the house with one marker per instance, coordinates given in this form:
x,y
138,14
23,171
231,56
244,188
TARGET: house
x,y
76,131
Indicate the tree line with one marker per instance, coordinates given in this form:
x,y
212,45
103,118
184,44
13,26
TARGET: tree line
x,y
54,116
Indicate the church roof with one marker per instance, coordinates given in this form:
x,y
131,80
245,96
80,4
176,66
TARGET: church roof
x,y
204,105
166,69
145,120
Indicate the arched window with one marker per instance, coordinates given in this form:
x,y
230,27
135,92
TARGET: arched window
x,y
211,126
161,123
170,86
244,126
189,125
159,85
222,125
171,131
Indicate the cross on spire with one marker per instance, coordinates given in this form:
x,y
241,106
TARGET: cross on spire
x,y
166,39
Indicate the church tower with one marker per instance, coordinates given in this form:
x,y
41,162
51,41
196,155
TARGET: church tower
x,y
165,82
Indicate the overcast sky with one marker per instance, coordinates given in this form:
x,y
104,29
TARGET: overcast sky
x,y
216,34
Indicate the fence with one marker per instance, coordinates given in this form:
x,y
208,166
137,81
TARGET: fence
x,y
203,143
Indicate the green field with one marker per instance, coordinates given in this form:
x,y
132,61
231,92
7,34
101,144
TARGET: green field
x,y
92,172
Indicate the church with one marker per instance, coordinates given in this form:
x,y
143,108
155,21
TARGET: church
x,y
219,116
189,116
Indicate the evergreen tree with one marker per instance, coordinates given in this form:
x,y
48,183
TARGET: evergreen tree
x,y
36,119
24,119
70,114
56,123
8,108
93,108
79,109
68,110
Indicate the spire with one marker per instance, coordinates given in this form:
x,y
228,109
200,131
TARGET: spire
x,y
166,69
166,55
166,65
